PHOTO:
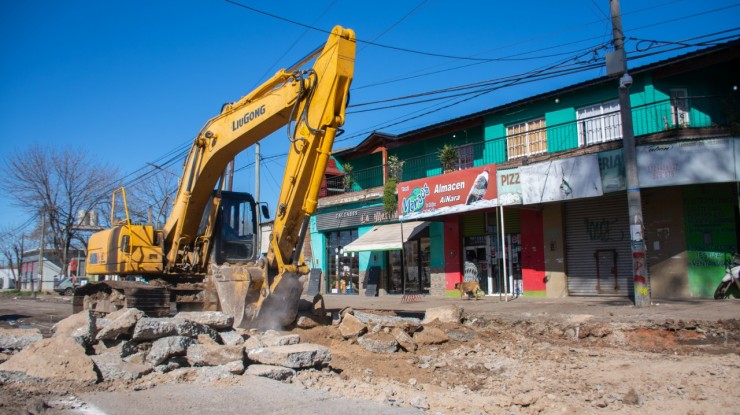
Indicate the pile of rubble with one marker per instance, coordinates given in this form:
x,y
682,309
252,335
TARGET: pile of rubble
x,y
390,334
127,345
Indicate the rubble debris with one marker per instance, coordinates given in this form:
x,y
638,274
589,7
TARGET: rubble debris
x,y
273,338
215,319
154,328
444,314
57,357
121,323
17,339
404,340
111,367
213,354
231,338
379,342
407,323
296,356
167,347
270,371
351,327
430,335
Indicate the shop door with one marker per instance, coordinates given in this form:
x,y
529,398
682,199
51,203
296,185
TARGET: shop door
x,y
477,255
598,254
533,255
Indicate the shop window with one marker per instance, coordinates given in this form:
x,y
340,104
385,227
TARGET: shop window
x,y
599,123
343,269
526,139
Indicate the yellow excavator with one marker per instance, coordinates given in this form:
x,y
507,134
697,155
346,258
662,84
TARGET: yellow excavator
x,y
207,256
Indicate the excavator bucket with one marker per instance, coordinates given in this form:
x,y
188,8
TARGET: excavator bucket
x,y
280,308
232,287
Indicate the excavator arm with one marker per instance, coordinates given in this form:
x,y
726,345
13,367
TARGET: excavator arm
x,y
311,104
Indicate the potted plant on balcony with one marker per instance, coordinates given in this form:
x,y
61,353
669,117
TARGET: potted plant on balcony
x,y
448,157
395,173
349,179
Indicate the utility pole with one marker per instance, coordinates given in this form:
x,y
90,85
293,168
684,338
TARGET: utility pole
x,y
257,163
617,65
41,253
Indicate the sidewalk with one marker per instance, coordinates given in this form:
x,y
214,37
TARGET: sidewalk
x,y
611,309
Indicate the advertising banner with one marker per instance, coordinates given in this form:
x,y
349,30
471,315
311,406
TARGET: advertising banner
x,y
686,162
565,179
455,192
611,166
509,187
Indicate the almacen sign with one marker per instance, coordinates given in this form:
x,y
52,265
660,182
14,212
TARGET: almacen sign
x,y
455,192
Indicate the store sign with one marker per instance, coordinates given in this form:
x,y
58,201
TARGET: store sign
x,y
686,162
353,218
611,166
459,191
509,183
565,179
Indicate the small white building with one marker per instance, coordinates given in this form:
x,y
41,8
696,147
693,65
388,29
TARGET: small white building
x,y
6,279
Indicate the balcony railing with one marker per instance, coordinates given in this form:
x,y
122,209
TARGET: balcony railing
x,y
355,181
659,117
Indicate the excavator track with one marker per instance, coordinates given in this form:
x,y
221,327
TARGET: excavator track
x,y
107,296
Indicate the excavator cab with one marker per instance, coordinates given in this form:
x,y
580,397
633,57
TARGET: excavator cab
x,y
236,237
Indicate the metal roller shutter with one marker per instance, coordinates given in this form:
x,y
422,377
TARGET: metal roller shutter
x,y
598,254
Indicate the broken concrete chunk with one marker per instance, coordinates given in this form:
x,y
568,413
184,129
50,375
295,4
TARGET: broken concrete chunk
x,y
379,342
111,367
17,339
430,335
80,325
296,356
122,325
351,327
253,342
231,338
444,314
404,340
409,324
214,319
236,367
280,340
157,328
309,321
272,372
213,355
54,358
168,347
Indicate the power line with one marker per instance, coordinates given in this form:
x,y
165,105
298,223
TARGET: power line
x,y
400,49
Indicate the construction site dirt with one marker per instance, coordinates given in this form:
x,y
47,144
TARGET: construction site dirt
x,y
521,356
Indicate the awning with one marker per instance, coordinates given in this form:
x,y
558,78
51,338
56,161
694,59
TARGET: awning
x,y
386,237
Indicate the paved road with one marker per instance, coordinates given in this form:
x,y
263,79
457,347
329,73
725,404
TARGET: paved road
x,y
612,309
253,395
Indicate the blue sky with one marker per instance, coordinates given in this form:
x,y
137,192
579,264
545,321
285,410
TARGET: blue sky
x,y
128,82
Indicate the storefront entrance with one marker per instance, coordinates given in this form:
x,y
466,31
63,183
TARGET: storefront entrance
x,y
343,276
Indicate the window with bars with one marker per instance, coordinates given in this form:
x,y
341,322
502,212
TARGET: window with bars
x,y
465,157
526,139
599,123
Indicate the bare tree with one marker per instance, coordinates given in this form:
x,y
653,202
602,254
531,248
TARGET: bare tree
x,y
58,184
12,248
154,194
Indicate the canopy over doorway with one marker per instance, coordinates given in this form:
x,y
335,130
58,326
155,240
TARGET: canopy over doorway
x,y
386,237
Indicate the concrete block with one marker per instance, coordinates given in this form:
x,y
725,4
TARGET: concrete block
x,y
18,339
167,347
214,319
296,356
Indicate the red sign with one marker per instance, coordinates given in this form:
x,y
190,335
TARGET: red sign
x,y
458,191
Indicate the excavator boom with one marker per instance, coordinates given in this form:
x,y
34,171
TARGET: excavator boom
x,y
193,242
